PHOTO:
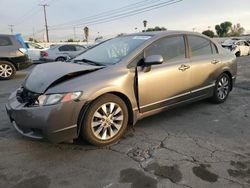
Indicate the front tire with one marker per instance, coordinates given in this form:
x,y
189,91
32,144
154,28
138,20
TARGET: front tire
x,y
7,70
105,120
222,88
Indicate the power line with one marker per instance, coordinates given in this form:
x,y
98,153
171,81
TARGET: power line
x,y
125,14
27,15
107,13
135,12
30,14
120,16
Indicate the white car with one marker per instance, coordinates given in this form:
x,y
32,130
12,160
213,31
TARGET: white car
x,y
61,52
34,50
238,47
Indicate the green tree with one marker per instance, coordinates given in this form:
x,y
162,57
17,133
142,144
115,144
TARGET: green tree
x,y
32,40
157,28
223,29
208,33
70,40
237,30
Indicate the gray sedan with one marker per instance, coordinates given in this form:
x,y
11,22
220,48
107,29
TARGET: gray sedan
x,y
105,89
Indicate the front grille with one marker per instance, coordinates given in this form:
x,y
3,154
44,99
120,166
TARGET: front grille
x,y
25,96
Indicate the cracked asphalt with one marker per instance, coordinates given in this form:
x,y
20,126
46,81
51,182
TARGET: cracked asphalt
x,y
195,146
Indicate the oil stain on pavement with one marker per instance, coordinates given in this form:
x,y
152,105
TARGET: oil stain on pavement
x,y
203,173
137,178
170,172
242,170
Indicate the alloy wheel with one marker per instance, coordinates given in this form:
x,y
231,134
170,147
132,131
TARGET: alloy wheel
x,y
223,88
107,121
5,71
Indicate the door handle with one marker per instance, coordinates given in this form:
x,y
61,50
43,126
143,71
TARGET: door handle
x,y
215,61
184,67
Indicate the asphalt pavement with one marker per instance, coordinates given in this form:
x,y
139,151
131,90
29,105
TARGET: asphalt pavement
x,y
199,145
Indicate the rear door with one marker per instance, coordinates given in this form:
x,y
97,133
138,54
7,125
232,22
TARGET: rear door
x,y
164,84
205,62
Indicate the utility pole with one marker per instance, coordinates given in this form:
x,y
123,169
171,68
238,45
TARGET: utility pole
x,y
45,20
74,28
11,28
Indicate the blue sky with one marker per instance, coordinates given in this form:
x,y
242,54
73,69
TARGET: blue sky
x,y
27,16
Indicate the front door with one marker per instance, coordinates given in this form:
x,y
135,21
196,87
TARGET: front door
x,y
169,82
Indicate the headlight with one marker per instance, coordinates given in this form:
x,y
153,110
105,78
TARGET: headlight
x,y
44,100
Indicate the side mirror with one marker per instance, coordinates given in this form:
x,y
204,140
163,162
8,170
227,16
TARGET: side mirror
x,y
153,60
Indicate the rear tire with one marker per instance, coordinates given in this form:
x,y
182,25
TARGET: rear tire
x,y
238,54
222,89
7,70
105,120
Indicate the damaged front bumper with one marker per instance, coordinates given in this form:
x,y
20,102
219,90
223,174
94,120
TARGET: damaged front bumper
x,y
55,123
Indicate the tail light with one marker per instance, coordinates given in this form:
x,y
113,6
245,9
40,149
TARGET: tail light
x,y
44,54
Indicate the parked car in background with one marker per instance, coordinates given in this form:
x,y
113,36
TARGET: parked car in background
x,y
61,52
34,50
108,87
13,56
237,47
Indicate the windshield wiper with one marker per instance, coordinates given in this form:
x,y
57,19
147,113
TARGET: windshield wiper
x,y
90,62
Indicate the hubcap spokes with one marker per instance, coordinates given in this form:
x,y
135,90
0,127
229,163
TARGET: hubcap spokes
x,y
5,71
223,88
107,121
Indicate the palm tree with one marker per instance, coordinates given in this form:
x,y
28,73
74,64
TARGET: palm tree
x,y
145,22
86,33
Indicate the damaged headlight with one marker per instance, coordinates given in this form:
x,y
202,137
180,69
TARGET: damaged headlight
x,y
51,99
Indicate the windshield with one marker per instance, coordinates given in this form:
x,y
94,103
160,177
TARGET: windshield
x,y
112,51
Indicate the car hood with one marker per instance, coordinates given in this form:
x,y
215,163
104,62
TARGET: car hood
x,y
44,76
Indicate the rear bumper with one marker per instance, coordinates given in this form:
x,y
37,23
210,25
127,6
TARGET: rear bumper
x,y
55,123
46,59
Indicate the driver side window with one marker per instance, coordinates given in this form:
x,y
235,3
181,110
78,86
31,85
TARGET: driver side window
x,y
170,48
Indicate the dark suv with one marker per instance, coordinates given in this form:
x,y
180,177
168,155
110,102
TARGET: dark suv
x,y
13,56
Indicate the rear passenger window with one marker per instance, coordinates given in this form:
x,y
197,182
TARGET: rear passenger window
x,y
199,46
5,41
67,48
170,48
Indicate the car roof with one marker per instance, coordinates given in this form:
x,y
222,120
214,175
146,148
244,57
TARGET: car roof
x,y
164,33
6,35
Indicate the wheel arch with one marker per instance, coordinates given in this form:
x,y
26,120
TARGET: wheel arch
x,y
61,57
118,94
9,60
